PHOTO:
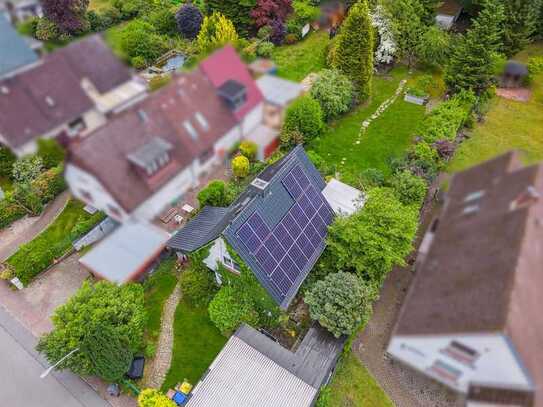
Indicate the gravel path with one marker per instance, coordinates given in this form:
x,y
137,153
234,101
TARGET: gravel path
x,y
163,358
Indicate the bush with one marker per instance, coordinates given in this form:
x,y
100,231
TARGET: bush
x,y
153,398
304,115
409,188
333,91
340,302
240,166
7,159
229,309
264,32
214,194
216,31
264,49
164,21
291,39
304,12
10,211
198,286
279,31
291,138
25,196
46,30
138,62
28,27
189,20
51,152
372,177
535,65
248,149
27,169
140,42
433,48
49,184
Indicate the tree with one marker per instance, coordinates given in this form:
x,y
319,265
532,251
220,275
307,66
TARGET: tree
x,y
7,159
386,45
268,11
340,302
27,169
214,194
153,398
240,166
230,308
216,31
139,41
238,11
434,47
405,16
67,15
410,189
108,353
375,238
163,20
471,63
305,116
51,152
119,308
354,49
279,32
189,20
198,285
520,24
333,91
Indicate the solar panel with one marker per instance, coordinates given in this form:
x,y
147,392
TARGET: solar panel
x,y
297,256
292,227
299,216
305,245
281,281
274,247
280,232
259,226
300,176
266,260
249,238
292,186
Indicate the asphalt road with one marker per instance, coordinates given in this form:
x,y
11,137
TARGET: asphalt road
x,y
20,369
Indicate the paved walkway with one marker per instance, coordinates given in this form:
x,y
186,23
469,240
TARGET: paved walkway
x,y
24,230
163,359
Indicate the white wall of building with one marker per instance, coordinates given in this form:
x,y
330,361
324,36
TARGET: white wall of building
x,y
252,119
497,363
218,252
81,181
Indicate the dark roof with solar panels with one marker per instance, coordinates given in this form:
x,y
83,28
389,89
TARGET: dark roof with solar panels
x,y
280,225
277,225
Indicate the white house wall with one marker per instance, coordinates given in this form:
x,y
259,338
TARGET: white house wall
x,y
252,119
497,363
80,180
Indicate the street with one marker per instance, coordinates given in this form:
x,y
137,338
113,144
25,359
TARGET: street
x,y
20,369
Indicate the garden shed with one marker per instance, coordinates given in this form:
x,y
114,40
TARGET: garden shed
x,y
343,198
514,74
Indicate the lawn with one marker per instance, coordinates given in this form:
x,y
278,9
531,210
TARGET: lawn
x,y
296,61
353,385
507,125
158,288
387,137
55,241
196,343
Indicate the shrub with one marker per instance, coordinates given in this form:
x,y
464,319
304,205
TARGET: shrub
x,y
216,31
229,309
27,168
291,138
153,398
266,11
409,188
10,211
264,32
279,31
28,27
198,286
372,177
164,21
7,159
120,309
25,196
49,184
264,49
433,48
189,20
140,42
138,62
535,65
248,149
304,12
214,194
46,30
304,115
446,119
333,91
51,152
240,166
68,15
423,160
291,39
340,302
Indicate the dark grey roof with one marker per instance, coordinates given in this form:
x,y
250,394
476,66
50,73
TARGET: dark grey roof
x,y
231,89
516,68
150,152
314,359
15,53
202,229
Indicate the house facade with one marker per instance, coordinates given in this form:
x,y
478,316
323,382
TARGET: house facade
x,y
67,94
470,320
20,10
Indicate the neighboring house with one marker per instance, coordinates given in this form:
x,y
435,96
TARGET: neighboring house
x,y
69,93
20,10
16,54
471,319
253,370
447,13
277,226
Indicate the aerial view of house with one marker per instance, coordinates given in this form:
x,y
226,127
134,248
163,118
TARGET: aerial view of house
x,y
302,203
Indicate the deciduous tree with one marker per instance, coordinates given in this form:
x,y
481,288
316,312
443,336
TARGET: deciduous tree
x,y
334,92
68,15
267,11
237,11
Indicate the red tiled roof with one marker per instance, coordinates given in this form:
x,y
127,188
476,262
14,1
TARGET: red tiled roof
x,y
225,64
104,152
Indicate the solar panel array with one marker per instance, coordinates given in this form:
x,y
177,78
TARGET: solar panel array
x,y
285,251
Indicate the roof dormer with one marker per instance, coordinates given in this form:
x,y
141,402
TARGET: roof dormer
x,y
152,156
233,93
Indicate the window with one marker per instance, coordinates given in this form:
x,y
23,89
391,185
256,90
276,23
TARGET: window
x,y
190,129
231,264
76,126
445,371
461,353
474,196
470,209
202,121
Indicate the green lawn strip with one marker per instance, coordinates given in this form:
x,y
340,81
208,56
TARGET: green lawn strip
x,y
54,242
387,137
296,61
353,385
158,289
196,343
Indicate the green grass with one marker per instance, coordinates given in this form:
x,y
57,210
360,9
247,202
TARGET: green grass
x,y
196,343
99,5
508,125
387,137
353,385
158,288
296,61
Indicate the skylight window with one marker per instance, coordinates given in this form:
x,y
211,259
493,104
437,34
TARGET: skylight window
x,y
190,129
470,209
461,353
474,196
202,121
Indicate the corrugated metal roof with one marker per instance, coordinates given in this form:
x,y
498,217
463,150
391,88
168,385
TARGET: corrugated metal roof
x,y
14,51
241,376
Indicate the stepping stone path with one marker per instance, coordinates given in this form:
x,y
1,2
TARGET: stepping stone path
x,y
380,110
163,358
